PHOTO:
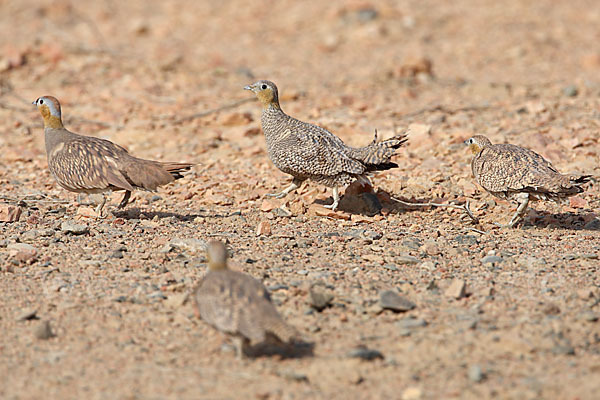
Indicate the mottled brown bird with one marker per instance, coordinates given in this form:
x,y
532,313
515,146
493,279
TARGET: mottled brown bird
x,y
307,151
518,174
237,304
86,164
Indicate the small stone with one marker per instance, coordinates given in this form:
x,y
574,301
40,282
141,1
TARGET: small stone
x,y
411,323
390,267
491,260
467,239
320,298
391,300
412,393
73,228
293,376
263,229
457,289
365,353
23,252
551,309
176,300
367,14
189,244
116,254
431,248
406,259
43,331
571,91
586,293
589,316
9,213
27,314
476,373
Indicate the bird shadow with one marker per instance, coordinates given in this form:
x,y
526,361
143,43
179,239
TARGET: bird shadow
x,y
294,350
137,213
369,203
588,221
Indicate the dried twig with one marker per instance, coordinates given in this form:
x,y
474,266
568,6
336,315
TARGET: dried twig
x,y
464,207
35,200
443,109
214,110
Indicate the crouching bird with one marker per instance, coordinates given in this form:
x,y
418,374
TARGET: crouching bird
x,y
86,164
518,174
307,151
239,305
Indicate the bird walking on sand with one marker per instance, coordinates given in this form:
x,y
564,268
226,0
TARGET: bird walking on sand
x,y
238,304
518,174
86,164
307,151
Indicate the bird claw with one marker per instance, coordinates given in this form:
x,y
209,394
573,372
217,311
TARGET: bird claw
x,y
332,206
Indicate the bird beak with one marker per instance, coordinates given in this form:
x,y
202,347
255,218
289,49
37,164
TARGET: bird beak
x,y
249,87
33,102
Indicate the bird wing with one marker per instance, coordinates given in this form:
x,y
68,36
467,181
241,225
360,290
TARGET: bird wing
x,y
86,163
312,150
506,167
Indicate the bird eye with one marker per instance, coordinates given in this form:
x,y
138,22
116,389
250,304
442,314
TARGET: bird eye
x,y
41,101
263,87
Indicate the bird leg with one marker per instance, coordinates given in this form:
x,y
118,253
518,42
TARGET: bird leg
x,y
125,200
293,186
240,344
101,206
523,201
336,199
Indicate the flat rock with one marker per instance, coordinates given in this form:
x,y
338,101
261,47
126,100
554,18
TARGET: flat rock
x,y
27,314
10,213
457,289
406,259
391,300
73,228
364,353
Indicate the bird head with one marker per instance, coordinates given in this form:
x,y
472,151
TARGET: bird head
x,y
266,91
477,143
50,109
216,253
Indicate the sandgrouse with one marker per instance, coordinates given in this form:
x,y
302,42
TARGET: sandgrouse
x,y
85,164
307,151
518,174
237,304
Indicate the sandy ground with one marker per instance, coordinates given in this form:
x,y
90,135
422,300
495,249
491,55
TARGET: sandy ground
x,y
156,76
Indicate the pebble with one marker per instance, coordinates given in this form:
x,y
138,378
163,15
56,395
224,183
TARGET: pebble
x,y
190,244
457,289
466,239
476,373
589,316
43,331
27,314
390,267
320,298
411,323
570,91
365,353
391,300
406,259
73,228
491,260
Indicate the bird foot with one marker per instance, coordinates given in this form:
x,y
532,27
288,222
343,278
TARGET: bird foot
x,y
332,206
509,225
